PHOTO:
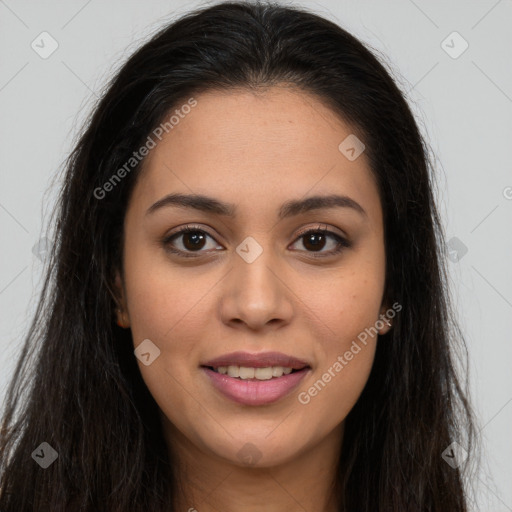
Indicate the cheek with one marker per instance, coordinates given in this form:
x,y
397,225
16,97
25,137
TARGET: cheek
x,y
335,391
160,297
346,312
167,309
347,304
343,370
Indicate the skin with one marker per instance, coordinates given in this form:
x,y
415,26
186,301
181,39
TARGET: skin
x,y
256,150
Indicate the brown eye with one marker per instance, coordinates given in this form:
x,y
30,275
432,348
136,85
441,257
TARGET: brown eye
x,y
314,240
193,240
187,240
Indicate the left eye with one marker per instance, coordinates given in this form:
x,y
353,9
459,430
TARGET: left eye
x,y
316,237
193,240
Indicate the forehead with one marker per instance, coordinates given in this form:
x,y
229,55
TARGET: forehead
x,y
257,148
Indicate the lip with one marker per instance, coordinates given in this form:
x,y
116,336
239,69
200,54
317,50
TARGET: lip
x,y
257,360
255,392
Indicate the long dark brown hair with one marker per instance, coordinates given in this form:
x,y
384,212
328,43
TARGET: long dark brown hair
x,y
77,386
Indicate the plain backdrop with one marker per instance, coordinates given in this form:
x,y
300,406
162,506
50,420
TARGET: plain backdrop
x,y
459,86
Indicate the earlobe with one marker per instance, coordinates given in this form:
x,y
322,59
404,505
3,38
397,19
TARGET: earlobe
x,y
384,323
122,319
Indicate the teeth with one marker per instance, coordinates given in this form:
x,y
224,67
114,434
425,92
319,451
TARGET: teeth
x,y
244,372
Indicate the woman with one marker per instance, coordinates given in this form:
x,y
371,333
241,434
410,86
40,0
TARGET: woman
x,y
246,306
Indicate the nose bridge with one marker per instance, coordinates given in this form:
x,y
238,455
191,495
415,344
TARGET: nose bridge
x,y
255,291
254,272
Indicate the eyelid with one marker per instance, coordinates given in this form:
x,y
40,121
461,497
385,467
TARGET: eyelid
x,y
322,228
185,228
318,227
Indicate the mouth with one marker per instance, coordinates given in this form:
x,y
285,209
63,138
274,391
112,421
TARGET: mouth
x,y
254,386
247,361
253,373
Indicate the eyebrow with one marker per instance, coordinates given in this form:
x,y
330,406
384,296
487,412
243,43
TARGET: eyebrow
x,y
288,209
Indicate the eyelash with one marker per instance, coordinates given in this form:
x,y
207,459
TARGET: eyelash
x,y
342,242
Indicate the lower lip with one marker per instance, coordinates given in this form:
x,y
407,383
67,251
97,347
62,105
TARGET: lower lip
x,y
255,392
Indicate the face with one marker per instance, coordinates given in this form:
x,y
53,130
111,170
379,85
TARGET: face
x,y
249,278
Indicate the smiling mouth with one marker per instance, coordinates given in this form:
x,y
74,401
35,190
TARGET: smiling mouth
x,y
255,386
251,373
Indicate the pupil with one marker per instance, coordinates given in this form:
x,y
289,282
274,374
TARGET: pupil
x,y
317,240
197,239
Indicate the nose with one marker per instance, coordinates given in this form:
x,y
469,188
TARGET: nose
x,y
256,294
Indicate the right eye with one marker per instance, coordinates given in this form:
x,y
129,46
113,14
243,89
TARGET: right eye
x,y
193,240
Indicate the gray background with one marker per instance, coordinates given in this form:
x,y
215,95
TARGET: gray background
x,y
463,106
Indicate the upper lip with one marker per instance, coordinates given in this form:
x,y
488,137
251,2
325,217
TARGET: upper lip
x,y
259,360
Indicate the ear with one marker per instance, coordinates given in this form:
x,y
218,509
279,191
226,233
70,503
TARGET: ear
x,y
384,322
122,316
